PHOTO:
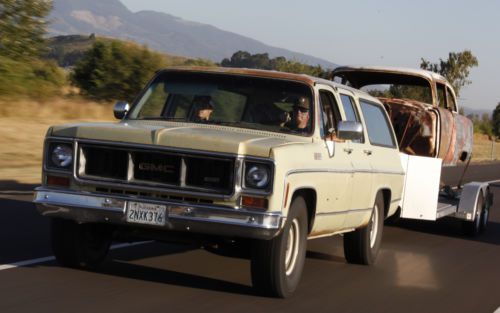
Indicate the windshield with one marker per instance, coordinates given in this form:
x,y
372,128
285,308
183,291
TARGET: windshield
x,y
412,92
247,102
385,84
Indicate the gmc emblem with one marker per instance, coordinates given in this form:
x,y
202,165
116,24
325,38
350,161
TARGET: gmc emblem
x,y
158,168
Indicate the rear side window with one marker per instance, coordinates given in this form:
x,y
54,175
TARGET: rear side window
x,y
348,104
452,105
441,96
350,112
377,125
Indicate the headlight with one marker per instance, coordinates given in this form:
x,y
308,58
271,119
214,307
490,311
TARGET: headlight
x,y
61,155
257,175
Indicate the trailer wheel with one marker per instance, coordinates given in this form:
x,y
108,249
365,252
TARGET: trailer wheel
x,y
362,245
485,216
276,264
475,227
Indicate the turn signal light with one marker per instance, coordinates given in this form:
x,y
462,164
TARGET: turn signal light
x,y
253,202
57,181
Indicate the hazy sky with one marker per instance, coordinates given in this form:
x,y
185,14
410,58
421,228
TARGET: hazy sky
x,y
394,32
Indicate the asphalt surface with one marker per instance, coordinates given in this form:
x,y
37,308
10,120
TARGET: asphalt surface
x,y
422,267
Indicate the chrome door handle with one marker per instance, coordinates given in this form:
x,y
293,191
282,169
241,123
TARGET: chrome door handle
x,y
368,152
348,150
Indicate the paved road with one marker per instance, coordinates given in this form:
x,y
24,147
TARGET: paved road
x,y
422,267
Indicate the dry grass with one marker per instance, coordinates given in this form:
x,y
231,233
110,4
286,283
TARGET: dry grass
x,y
485,149
23,124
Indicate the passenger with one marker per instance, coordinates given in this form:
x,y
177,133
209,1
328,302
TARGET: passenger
x,y
204,107
299,121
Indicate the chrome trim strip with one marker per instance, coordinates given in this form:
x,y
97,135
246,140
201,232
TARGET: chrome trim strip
x,y
318,170
81,201
396,200
159,148
354,211
389,172
329,170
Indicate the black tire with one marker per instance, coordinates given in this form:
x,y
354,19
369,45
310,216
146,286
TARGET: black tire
x,y
475,227
362,245
80,245
394,219
277,264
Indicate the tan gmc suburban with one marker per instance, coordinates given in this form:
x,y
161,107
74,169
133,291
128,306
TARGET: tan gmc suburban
x,y
237,160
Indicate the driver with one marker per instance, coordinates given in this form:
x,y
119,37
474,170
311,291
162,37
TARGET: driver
x,y
299,121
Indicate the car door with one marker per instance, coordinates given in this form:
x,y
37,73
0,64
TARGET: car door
x,y
360,154
384,154
334,195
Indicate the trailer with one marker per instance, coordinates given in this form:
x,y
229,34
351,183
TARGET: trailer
x,y
426,198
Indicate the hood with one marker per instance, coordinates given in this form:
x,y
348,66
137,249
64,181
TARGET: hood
x,y
214,138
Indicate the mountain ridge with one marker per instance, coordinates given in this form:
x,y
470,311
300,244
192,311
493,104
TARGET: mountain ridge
x,y
161,31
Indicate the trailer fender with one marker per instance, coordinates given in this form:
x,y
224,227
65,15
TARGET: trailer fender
x,y
467,207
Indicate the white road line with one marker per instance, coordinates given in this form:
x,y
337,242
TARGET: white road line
x,y
26,263
52,258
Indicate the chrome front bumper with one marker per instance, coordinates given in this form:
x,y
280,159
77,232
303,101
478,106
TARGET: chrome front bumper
x,y
85,207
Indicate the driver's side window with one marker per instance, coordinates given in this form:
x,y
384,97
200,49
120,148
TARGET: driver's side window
x,y
329,113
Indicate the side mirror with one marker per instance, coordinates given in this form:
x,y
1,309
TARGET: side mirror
x,y
349,130
121,109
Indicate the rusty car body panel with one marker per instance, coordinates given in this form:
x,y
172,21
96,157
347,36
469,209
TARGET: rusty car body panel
x,y
429,126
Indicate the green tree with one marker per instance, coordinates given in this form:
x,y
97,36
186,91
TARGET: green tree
x,y
114,70
198,62
22,28
37,79
495,120
455,69
485,125
262,61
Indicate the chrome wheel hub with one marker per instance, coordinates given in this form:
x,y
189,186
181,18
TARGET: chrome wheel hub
x,y
374,227
292,247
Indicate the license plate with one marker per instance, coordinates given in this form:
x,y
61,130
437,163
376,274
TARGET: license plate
x,y
146,213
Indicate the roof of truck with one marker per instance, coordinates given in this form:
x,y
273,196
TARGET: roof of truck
x,y
307,79
246,71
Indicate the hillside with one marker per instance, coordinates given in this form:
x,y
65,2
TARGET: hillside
x,y
160,31
67,50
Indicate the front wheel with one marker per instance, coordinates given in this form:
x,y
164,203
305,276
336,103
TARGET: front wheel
x,y
80,245
277,264
362,245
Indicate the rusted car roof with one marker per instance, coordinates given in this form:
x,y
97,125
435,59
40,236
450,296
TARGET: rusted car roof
x,y
431,76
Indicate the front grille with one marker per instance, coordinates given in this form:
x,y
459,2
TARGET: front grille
x,y
174,170
155,167
106,163
208,173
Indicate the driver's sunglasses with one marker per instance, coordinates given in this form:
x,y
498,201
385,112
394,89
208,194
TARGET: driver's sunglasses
x,y
302,110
